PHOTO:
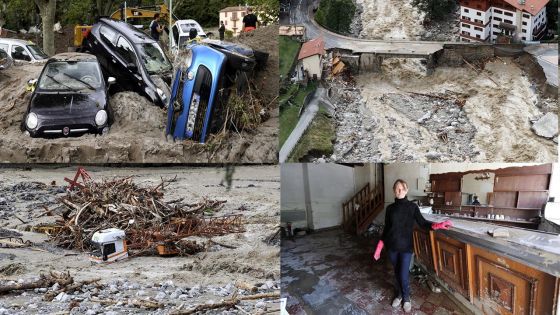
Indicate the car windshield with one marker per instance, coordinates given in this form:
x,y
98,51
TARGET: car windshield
x,y
153,58
186,27
71,75
37,52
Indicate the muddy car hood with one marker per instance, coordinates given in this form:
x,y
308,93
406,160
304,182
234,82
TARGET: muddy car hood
x,y
74,104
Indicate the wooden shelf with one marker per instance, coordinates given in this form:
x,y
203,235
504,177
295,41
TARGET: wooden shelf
x,y
493,220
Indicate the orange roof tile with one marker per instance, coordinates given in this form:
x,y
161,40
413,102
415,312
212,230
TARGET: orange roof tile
x,y
313,47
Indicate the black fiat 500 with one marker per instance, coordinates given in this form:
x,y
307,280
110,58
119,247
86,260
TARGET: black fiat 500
x,y
69,98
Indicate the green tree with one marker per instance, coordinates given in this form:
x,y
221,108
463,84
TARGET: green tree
x,y
267,10
436,9
336,15
18,14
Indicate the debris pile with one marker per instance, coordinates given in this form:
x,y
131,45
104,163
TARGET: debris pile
x,y
141,213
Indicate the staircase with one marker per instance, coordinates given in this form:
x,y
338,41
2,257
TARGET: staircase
x,y
362,208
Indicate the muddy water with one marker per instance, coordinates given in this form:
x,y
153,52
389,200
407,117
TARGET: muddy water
x,y
390,19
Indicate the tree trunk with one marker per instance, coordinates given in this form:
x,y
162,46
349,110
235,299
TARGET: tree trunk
x,y
47,9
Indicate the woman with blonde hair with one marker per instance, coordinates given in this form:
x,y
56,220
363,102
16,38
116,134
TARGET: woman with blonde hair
x,y
397,237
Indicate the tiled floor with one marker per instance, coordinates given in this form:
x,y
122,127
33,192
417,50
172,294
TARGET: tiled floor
x,y
333,273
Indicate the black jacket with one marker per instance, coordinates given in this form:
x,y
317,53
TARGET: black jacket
x,y
399,222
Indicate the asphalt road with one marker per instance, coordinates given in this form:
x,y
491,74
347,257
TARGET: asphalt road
x,y
301,13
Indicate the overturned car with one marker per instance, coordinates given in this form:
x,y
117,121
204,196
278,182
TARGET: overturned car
x,y
201,86
135,59
69,98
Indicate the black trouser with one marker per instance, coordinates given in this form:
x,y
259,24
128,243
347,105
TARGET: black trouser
x,y
401,265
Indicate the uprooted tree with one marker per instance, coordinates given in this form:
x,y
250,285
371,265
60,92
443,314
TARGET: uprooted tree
x,y
47,9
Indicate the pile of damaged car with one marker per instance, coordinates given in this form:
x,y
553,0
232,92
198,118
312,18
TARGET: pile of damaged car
x,y
71,96
206,72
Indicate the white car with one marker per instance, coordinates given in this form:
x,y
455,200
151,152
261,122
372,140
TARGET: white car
x,y
22,50
180,31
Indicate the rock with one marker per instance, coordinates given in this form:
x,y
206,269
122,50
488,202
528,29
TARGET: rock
x,y
269,284
160,296
433,155
4,311
141,293
91,312
183,297
546,126
555,140
62,297
321,160
55,287
32,306
111,313
113,288
42,290
261,305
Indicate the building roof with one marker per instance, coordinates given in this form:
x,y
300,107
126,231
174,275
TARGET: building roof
x,y
235,9
313,47
531,6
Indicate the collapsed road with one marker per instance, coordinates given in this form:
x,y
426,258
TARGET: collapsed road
x,y
138,132
235,269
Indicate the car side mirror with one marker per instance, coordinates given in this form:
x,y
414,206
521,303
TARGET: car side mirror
x,y
132,67
31,84
111,81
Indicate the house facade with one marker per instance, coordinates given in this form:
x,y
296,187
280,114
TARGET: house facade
x,y
233,18
310,59
486,20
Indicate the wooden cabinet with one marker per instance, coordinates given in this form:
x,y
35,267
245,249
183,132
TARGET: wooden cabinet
x,y
507,287
423,248
444,184
451,263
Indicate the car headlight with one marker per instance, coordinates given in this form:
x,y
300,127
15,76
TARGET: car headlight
x,y
101,117
186,59
193,109
32,121
161,94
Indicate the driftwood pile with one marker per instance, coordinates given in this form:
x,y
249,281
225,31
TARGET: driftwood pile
x,y
141,212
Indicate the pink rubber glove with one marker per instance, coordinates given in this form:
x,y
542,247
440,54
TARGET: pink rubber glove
x,y
445,225
377,253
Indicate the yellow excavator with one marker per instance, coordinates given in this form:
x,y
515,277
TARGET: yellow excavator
x,y
133,15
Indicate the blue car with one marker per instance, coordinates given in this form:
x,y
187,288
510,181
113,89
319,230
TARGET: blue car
x,y
196,101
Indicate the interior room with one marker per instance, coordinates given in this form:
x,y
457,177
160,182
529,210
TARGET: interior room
x,y
501,256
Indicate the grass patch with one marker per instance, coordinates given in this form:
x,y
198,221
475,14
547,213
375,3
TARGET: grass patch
x,y
317,140
289,115
289,49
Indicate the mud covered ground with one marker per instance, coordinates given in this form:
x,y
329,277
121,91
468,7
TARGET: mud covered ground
x,y
176,282
137,135
455,114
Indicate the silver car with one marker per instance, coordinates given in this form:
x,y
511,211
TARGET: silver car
x,y
22,50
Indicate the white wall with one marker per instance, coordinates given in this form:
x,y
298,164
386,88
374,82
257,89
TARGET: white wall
x,y
312,65
479,187
329,186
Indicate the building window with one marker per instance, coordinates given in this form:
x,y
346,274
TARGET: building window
x,y
478,29
524,23
524,38
477,36
466,10
527,16
497,19
479,13
508,13
466,33
466,25
498,11
508,21
496,33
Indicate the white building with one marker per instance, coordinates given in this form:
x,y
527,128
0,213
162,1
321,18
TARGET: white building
x,y
310,59
485,20
233,18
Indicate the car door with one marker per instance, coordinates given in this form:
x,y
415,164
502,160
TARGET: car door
x,y
127,62
104,50
20,53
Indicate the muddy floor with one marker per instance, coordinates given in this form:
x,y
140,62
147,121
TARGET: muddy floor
x,y
454,114
137,135
176,282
